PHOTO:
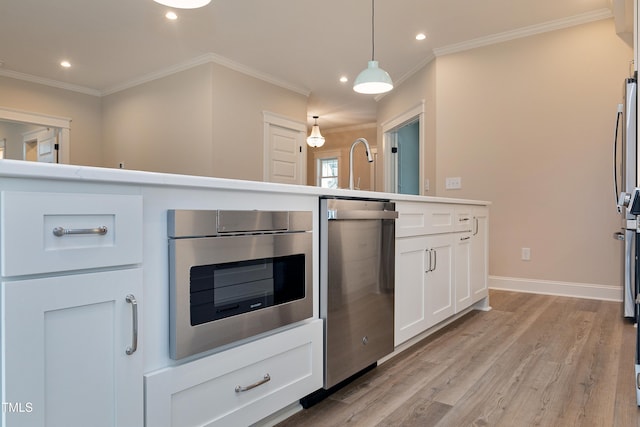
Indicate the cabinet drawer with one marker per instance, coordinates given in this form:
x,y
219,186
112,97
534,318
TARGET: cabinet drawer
x,y
203,392
108,227
464,218
415,219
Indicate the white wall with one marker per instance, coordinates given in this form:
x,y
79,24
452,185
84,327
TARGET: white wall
x,y
239,101
84,111
14,140
203,121
162,126
528,125
419,87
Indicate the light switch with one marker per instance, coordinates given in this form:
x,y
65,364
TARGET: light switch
x,y
454,183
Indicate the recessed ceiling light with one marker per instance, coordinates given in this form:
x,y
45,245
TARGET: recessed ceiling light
x,y
171,15
65,64
184,4
344,79
421,36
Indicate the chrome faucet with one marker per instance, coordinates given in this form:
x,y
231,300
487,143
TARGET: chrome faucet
x,y
369,158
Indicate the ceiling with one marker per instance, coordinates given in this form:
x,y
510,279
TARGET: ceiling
x,y
301,44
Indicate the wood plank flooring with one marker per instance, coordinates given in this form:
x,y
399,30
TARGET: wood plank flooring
x,y
534,360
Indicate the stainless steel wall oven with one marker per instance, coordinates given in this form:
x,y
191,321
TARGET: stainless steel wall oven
x,y
236,274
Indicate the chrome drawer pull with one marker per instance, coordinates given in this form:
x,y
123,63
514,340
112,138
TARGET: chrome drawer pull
x,y
240,389
134,306
61,231
465,238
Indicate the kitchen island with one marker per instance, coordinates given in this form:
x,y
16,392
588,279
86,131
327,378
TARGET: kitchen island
x,y
90,315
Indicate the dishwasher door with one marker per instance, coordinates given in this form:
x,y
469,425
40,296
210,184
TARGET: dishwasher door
x,y
356,284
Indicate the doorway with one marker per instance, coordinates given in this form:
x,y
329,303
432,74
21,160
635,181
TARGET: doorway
x,y
53,150
40,145
285,150
403,148
405,153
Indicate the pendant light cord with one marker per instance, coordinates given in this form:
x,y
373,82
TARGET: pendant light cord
x,y
373,41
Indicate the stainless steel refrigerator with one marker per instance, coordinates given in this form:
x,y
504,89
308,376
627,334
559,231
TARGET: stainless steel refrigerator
x,y
625,181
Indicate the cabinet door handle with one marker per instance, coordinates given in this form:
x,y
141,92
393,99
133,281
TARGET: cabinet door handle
x,y
428,268
465,238
265,379
476,222
435,260
134,307
61,231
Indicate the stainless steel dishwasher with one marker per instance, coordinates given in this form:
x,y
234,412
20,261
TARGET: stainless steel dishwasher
x,y
357,251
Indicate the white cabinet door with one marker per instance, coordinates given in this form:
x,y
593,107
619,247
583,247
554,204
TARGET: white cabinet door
x,y
64,348
439,282
480,254
410,310
424,288
463,270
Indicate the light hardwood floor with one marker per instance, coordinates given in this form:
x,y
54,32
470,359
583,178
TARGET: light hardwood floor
x,y
533,360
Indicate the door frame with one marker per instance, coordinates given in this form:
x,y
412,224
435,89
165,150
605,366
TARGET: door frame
x,y
46,120
35,136
273,119
388,127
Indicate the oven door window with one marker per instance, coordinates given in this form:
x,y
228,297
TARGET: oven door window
x,y
229,289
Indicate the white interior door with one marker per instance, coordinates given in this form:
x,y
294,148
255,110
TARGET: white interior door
x,y
39,146
285,151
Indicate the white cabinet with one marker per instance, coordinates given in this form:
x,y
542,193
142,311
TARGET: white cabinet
x,y
439,278
239,386
424,284
93,231
64,350
441,264
463,256
479,269
416,218
410,314
70,309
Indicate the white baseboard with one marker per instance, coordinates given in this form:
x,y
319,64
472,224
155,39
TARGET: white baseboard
x,y
549,287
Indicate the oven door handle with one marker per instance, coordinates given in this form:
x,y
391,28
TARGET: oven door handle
x,y
333,214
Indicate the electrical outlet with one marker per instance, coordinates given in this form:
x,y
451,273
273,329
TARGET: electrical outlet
x,y
526,254
454,183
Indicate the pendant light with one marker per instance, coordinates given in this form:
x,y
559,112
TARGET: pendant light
x,y
373,80
315,139
184,4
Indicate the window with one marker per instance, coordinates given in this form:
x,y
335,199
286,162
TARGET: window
x,y
328,172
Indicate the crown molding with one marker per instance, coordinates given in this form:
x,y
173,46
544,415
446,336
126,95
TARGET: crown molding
x,y
207,58
558,24
419,66
49,82
165,72
226,62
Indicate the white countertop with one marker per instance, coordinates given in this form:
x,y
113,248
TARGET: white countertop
x,y
49,171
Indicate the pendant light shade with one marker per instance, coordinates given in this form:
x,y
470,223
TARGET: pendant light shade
x,y
373,80
184,4
315,139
